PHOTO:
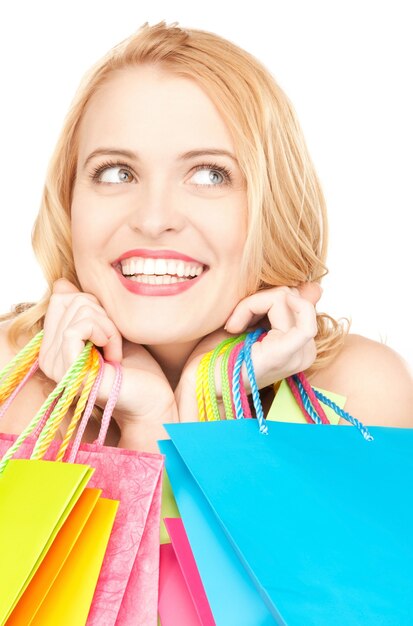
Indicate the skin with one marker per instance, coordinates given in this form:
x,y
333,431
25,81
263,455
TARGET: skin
x,y
157,205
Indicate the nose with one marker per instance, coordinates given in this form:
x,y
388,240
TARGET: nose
x,y
156,209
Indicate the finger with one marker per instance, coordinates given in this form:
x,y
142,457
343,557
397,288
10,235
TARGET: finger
x,y
279,347
281,354
269,302
80,309
304,315
311,292
63,293
73,342
75,336
112,345
61,310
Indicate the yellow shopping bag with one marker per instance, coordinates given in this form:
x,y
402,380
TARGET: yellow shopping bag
x,y
36,498
62,588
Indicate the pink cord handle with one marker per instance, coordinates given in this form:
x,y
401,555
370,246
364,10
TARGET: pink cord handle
x,y
314,400
107,413
110,405
42,423
296,394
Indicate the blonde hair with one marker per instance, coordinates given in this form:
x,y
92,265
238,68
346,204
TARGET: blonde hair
x,y
287,223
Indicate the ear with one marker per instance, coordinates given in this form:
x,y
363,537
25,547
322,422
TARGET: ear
x,y
311,292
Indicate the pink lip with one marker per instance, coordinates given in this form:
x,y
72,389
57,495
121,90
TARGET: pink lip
x,y
156,254
144,289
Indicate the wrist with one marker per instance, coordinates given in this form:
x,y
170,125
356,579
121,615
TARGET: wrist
x,y
143,435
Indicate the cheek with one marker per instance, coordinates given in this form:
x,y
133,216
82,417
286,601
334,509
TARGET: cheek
x,y
90,231
227,229
232,238
86,241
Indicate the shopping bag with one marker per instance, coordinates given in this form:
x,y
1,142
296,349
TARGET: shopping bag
x,y
222,574
40,501
175,605
318,518
35,498
182,598
62,589
127,589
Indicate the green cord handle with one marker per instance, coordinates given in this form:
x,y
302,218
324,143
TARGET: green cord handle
x,y
65,382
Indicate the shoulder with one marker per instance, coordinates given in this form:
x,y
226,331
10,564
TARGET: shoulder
x,y
375,379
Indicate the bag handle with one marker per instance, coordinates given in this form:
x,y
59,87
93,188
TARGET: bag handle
x,y
48,433
66,389
205,382
245,354
46,422
17,368
236,352
32,370
308,399
107,413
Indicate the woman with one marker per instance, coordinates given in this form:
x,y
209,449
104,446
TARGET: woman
x,y
181,205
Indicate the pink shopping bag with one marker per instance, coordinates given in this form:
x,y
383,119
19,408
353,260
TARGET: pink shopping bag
x,y
182,598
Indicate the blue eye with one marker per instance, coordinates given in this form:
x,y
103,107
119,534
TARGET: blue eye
x,y
96,175
217,175
211,177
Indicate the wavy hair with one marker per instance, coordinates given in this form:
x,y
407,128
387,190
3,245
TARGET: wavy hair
x,y
287,223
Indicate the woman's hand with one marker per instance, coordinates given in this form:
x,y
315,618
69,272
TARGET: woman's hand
x,y
289,316
146,399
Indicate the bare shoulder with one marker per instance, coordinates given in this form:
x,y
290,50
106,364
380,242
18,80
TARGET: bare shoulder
x,y
375,379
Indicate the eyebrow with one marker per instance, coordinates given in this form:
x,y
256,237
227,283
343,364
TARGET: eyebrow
x,y
184,156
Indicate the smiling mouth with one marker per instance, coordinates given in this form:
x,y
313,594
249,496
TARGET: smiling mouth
x,y
159,271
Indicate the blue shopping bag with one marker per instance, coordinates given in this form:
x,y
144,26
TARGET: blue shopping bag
x,y
307,525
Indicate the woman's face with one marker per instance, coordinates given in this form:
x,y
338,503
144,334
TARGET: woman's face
x,y
163,200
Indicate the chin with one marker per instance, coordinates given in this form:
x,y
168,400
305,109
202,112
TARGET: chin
x,y
161,336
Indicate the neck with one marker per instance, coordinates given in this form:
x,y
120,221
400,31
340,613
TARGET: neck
x,y
172,359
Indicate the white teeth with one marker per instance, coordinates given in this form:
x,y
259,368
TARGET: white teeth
x,y
180,270
160,267
149,266
171,267
126,268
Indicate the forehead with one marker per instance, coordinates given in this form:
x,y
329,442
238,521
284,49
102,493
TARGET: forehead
x,y
146,108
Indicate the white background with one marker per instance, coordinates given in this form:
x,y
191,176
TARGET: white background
x,y
347,68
